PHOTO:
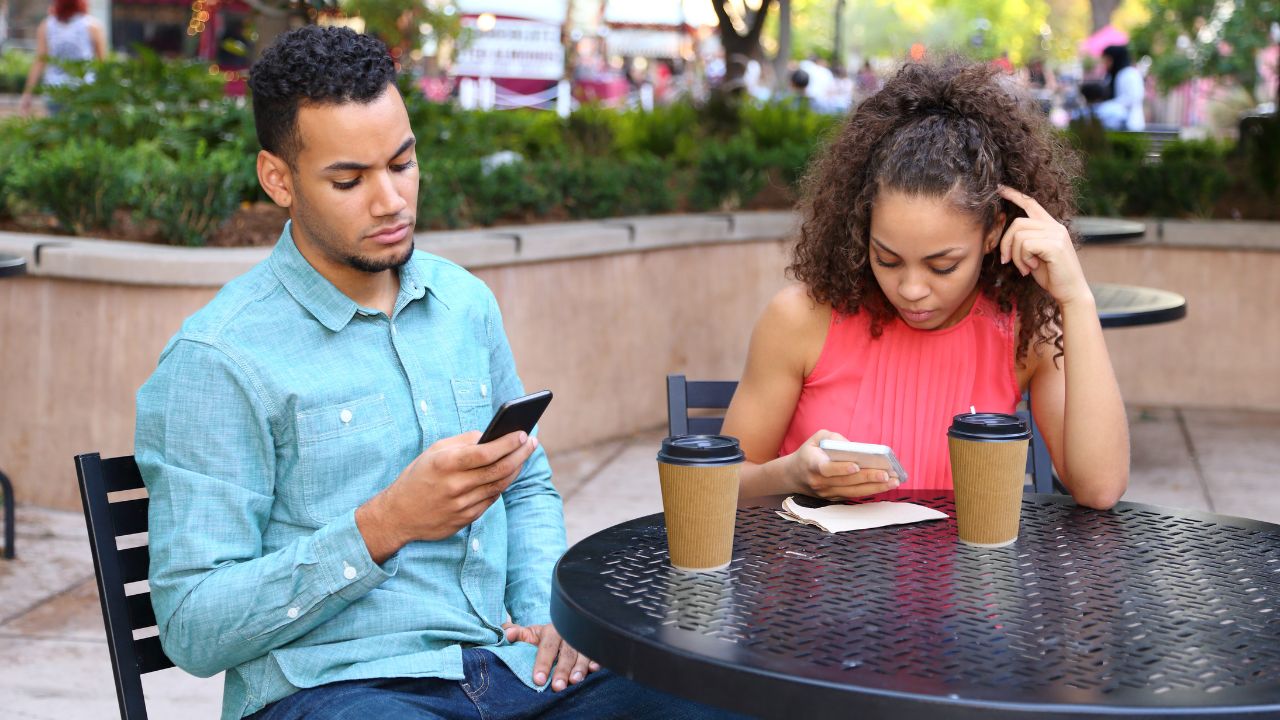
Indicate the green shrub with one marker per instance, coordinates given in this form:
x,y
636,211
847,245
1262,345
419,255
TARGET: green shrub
x,y
14,153
591,131
608,187
15,65
515,191
727,175
441,191
82,183
188,197
1260,147
669,131
776,125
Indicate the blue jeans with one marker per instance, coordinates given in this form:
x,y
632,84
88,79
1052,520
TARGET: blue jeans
x,y
490,692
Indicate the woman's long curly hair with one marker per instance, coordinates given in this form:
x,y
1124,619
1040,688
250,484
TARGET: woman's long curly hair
x,y
953,130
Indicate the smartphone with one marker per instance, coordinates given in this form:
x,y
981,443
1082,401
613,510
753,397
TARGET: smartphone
x,y
866,455
522,413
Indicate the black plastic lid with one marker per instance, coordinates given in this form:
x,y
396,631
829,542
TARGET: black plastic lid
x,y
700,450
988,426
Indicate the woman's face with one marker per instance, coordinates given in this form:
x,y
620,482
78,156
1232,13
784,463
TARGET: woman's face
x,y
926,255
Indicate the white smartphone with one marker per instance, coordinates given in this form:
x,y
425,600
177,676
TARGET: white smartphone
x,y
866,455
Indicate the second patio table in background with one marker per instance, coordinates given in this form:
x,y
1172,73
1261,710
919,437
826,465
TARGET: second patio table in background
x,y
1108,230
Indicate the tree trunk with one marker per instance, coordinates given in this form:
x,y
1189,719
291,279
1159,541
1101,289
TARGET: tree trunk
x,y
738,49
1100,11
837,49
271,20
783,57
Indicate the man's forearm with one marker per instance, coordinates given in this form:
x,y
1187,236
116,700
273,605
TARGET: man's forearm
x,y
238,612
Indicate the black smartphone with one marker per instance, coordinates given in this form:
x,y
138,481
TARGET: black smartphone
x,y
522,413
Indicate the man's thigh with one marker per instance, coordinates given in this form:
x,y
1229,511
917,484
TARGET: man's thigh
x,y
500,695
409,698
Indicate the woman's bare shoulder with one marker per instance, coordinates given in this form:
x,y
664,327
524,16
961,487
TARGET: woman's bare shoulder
x,y
794,308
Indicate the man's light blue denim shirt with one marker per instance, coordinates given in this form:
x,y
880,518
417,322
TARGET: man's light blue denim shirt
x,y
275,412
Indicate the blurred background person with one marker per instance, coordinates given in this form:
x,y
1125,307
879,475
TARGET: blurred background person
x,y
866,83
1122,108
68,34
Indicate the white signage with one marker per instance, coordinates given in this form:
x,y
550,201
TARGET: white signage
x,y
520,49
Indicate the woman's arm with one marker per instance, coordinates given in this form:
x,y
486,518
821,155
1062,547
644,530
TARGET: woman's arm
x,y
37,67
785,347
1129,89
99,39
1076,400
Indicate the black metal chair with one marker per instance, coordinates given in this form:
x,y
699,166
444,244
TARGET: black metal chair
x,y
6,487
713,396
122,613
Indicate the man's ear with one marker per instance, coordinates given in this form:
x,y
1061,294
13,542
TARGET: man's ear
x,y
275,178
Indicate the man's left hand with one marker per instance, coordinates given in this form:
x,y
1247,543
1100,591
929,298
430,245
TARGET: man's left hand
x,y
571,666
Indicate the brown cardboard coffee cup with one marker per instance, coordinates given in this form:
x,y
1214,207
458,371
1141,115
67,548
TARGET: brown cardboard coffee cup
x,y
699,476
988,467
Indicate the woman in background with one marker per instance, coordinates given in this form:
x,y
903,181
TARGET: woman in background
x,y
67,34
1122,110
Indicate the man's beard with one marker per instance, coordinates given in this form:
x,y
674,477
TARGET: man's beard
x,y
371,265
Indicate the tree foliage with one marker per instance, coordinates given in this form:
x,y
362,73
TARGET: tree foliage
x,y
1206,38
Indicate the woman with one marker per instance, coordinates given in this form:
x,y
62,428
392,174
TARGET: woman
x,y
67,34
1122,110
935,273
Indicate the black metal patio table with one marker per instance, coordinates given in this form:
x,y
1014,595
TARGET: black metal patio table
x,y
1098,230
1130,305
1137,611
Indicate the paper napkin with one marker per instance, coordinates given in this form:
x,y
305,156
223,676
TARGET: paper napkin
x,y
837,518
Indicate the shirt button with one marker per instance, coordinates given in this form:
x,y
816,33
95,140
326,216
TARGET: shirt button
x,y
423,404
484,390
345,415
393,328
348,572
293,613
475,545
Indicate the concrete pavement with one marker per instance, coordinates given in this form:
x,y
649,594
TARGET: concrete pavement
x,y
54,662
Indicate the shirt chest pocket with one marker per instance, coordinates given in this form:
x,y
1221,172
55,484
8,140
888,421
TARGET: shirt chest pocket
x,y
472,400
347,453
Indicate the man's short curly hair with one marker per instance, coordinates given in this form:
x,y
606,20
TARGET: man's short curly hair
x,y
313,65
951,129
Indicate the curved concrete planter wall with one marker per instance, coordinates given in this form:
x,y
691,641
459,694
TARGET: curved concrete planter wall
x,y
598,311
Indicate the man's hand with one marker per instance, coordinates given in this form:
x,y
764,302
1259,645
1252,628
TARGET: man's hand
x,y
572,667
443,490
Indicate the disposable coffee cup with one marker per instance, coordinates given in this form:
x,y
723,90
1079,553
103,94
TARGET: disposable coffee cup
x,y
699,476
988,469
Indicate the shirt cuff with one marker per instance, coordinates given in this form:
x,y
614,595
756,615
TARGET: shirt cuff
x,y
345,558
528,614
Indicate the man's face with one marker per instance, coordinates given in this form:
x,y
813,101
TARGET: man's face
x,y
355,186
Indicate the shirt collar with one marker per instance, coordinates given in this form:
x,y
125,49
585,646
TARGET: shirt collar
x,y
320,297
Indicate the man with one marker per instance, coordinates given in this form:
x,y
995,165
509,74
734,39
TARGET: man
x,y
324,525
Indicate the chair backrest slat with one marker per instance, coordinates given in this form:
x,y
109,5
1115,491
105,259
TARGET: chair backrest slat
x,y
151,656
141,614
705,425
129,516
114,568
121,473
134,563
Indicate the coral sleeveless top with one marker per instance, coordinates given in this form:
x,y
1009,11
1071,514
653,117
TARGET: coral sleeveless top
x,y
902,388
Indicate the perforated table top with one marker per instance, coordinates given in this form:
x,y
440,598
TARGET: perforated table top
x,y
1137,611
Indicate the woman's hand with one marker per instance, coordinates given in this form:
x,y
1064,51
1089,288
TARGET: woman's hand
x,y
813,473
1040,246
